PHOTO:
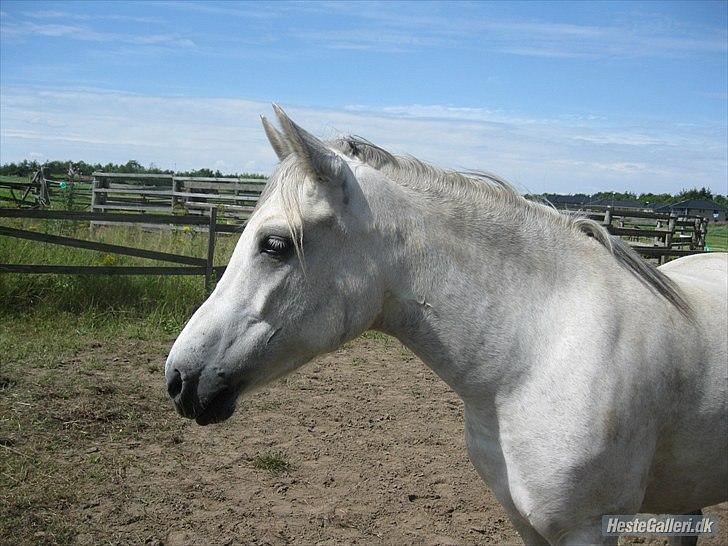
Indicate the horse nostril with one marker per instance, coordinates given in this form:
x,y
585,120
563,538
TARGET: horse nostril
x,y
174,385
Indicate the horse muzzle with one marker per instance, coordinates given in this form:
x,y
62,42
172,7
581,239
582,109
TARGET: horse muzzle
x,y
205,397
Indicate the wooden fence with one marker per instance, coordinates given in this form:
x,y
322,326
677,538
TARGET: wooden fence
x,y
186,265
654,234
234,198
72,190
168,201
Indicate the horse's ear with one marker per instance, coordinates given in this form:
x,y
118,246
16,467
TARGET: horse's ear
x,y
276,139
315,157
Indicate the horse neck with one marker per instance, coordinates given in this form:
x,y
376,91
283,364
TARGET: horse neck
x,y
462,283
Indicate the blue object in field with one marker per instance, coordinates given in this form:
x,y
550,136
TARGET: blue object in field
x,y
63,184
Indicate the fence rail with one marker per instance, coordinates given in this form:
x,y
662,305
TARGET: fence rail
x,y
191,265
38,191
235,198
667,233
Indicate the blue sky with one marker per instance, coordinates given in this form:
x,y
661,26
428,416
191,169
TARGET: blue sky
x,y
561,97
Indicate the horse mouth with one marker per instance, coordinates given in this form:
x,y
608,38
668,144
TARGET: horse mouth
x,y
220,408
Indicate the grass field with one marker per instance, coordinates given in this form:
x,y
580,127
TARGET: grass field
x,y
151,299
717,238
76,198
5,178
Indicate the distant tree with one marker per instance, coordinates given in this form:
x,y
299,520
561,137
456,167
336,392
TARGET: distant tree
x,y
722,200
651,198
694,193
56,167
619,196
207,173
60,168
133,167
153,169
24,168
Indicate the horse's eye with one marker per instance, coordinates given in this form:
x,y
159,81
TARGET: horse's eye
x,y
275,245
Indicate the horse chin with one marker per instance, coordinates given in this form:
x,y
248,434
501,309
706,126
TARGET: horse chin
x,y
219,409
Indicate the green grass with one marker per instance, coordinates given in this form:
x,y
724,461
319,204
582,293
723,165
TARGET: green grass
x,y
717,238
61,199
165,300
6,178
272,463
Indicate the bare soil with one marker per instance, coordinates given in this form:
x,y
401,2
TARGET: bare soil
x,y
363,446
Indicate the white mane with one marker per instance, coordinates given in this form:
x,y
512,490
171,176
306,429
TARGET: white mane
x,y
493,191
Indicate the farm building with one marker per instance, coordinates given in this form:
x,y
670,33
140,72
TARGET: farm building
x,y
619,204
581,201
697,207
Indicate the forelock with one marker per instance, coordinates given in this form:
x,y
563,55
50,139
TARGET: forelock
x,y
286,181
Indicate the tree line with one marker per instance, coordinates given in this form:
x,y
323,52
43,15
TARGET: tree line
x,y
60,168
651,198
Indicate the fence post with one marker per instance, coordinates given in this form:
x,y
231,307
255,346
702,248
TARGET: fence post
x,y
97,198
175,189
608,217
210,250
94,183
703,233
668,236
695,239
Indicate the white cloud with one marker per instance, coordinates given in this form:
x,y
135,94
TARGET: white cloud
x,y
563,155
55,14
719,95
394,28
384,28
24,30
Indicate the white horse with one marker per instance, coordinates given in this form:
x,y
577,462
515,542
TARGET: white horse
x,y
593,383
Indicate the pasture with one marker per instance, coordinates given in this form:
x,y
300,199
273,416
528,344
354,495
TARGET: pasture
x,y
717,238
364,445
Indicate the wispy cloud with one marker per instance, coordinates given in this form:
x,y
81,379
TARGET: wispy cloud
x,y
397,28
389,40
44,14
74,16
566,155
229,10
376,28
716,95
25,30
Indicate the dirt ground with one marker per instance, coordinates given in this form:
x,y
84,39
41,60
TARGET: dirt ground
x,y
363,446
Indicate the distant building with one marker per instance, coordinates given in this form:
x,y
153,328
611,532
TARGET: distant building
x,y
709,210
620,204
583,202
